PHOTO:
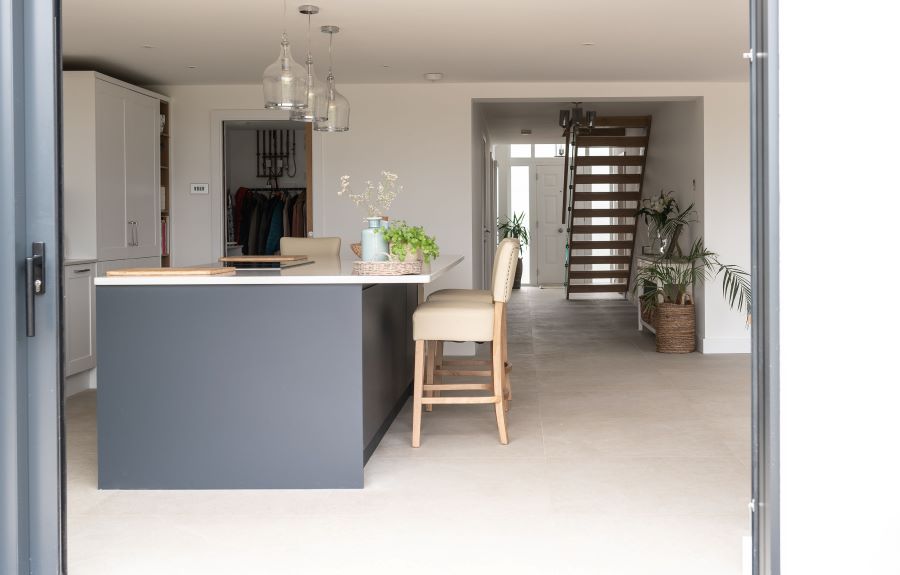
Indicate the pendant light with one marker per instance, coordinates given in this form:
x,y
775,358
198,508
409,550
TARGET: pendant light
x,y
314,109
337,107
284,81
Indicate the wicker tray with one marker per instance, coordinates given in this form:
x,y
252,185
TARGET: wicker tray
x,y
362,268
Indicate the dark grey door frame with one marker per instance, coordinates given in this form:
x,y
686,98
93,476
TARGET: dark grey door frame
x,y
765,253
32,501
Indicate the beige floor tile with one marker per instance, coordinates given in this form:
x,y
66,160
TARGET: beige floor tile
x,y
621,461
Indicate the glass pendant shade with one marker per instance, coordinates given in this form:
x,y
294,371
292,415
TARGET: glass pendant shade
x,y
315,106
337,110
284,81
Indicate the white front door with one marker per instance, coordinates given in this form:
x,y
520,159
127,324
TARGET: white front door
x,y
550,231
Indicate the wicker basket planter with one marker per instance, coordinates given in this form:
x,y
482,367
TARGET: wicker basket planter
x,y
676,328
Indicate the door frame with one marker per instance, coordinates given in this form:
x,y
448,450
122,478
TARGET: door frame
x,y
765,220
32,464
217,170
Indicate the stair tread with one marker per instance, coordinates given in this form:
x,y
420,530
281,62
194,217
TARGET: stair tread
x,y
607,196
611,141
603,229
581,260
590,288
633,160
608,178
588,274
601,244
604,212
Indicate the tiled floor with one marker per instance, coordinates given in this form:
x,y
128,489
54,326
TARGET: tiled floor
x,y
621,461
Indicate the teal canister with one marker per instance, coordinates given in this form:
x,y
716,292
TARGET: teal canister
x,y
374,246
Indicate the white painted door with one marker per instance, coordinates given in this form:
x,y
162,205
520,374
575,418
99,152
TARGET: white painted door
x,y
550,247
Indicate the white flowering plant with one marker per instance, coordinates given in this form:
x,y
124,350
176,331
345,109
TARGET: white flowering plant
x,y
376,198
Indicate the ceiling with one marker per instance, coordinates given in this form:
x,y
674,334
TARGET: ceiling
x,y
388,41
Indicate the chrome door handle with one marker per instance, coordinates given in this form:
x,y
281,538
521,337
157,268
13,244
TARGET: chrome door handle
x,y
131,235
137,234
34,284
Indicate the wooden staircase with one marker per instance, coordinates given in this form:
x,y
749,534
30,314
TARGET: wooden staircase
x,y
604,179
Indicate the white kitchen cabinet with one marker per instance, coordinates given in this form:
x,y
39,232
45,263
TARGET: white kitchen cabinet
x,y
80,328
111,167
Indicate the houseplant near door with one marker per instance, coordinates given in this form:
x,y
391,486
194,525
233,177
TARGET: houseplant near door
x,y
515,228
664,288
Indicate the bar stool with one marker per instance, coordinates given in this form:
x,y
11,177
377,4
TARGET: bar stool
x,y
312,247
439,321
455,365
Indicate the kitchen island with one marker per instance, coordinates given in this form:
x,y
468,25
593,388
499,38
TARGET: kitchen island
x,y
265,379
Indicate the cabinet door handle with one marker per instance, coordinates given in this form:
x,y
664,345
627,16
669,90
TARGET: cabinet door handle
x,y
85,270
131,237
137,234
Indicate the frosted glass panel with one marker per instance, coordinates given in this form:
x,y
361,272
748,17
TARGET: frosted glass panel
x,y
546,150
520,151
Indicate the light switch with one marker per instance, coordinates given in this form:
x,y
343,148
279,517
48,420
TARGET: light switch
x,y
199,188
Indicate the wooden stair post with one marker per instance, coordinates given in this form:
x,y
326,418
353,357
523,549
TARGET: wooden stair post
x,y
602,238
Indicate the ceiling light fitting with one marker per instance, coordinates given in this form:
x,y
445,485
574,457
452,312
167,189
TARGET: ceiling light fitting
x,y
434,76
337,108
284,81
293,87
576,116
315,108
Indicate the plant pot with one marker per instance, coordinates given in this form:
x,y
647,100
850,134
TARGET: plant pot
x,y
517,283
676,328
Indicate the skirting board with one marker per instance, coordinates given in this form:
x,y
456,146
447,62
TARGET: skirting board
x,y
81,382
725,345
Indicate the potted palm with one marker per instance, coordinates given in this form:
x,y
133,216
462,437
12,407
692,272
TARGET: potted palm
x,y
664,286
515,228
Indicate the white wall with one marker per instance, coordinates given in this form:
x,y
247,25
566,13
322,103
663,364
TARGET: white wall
x,y
424,132
840,386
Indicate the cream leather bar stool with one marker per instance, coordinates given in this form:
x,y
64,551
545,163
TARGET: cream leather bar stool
x,y
311,247
454,366
438,321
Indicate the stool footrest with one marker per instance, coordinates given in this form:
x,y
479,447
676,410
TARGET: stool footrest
x,y
451,400
464,372
457,386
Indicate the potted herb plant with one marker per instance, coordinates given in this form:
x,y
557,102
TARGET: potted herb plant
x,y
664,286
515,228
405,241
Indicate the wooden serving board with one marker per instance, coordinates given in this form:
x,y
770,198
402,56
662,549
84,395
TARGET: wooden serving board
x,y
190,271
261,259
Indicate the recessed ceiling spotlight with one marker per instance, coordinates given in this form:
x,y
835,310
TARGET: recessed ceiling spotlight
x,y
192,67
587,43
434,76
147,46
525,131
385,66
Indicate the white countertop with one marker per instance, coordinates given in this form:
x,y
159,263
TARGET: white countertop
x,y
321,271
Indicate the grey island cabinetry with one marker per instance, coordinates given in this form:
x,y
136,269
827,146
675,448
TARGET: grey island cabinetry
x,y
260,380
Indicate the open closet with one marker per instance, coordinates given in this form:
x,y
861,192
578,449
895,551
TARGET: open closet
x,y
268,192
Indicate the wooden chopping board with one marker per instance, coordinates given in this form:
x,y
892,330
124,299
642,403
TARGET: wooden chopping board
x,y
188,271
262,259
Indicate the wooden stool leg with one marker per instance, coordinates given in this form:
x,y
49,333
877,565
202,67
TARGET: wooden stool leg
x,y
507,383
430,366
498,372
417,393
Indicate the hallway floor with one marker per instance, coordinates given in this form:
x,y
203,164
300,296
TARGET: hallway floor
x,y
621,461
